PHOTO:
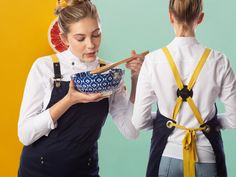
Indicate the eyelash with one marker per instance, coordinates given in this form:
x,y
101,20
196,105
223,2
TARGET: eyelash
x,y
94,36
97,35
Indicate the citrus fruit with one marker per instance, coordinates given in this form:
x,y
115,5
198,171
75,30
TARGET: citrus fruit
x,y
54,39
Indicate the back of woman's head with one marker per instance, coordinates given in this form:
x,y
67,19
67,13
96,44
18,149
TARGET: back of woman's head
x,y
185,11
72,11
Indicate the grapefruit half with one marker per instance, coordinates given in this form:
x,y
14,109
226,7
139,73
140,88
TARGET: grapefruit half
x,y
54,39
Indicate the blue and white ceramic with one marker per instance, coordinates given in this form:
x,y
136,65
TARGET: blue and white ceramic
x,y
95,83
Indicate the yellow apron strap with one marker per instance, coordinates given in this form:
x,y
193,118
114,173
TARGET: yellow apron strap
x,y
192,82
199,68
174,68
195,110
178,80
178,104
54,58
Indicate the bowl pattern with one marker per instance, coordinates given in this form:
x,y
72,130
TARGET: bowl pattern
x,y
94,83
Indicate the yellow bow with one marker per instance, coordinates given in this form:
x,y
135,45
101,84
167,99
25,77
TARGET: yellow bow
x,y
61,3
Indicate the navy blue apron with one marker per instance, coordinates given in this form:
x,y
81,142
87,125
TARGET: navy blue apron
x,y
159,139
70,150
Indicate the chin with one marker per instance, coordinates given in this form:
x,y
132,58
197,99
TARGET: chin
x,y
89,59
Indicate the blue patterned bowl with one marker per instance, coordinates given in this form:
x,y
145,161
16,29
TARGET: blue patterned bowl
x,y
96,83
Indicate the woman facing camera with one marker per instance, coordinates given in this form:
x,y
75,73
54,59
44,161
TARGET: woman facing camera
x,y
59,125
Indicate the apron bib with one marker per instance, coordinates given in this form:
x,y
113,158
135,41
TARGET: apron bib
x,y
71,149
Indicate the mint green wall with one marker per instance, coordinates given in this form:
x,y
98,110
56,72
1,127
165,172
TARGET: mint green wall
x,y
144,25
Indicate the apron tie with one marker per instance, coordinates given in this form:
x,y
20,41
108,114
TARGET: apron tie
x,y
189,152
189,147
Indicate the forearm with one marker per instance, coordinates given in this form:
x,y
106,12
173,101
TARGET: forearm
x,y
32,125
133,89
122,119
58,109
121,109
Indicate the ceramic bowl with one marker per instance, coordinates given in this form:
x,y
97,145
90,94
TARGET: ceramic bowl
x,y
97,83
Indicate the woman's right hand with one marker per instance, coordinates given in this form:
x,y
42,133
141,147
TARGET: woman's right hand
x,y
75,96
71,98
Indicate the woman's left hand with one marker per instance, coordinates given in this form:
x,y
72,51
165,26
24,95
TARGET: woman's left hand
x,y
135,65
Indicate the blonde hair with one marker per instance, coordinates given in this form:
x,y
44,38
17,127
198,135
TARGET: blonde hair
x,y
72,11
186,11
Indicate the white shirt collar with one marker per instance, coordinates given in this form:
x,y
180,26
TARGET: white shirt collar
x,y
181,41
69,58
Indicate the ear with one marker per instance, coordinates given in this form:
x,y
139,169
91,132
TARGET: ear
x,y
171,17
200,18
64,39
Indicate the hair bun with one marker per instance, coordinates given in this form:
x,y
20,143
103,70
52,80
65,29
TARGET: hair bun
x,y
61,4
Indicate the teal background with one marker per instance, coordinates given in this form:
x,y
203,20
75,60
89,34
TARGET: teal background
x,y
144,25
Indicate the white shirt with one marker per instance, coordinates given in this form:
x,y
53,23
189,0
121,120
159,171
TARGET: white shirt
x,y
156,84
35,120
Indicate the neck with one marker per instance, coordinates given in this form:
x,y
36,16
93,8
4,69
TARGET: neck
x,y
184,31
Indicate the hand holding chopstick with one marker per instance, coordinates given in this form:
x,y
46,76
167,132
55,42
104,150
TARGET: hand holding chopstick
x,y
110,66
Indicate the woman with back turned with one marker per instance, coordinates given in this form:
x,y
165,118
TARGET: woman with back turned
x,y
185,79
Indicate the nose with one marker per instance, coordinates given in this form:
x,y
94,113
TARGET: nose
x,y
90,44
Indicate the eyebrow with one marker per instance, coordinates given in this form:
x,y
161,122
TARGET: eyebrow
x,y
84,34
98,29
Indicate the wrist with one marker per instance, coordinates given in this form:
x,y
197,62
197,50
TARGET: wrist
x,y
67,101
133,89
134,78
134,81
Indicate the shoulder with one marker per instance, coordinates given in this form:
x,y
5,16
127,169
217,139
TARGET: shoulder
x,y
43,65
154,56
219,58
217,55
46,61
